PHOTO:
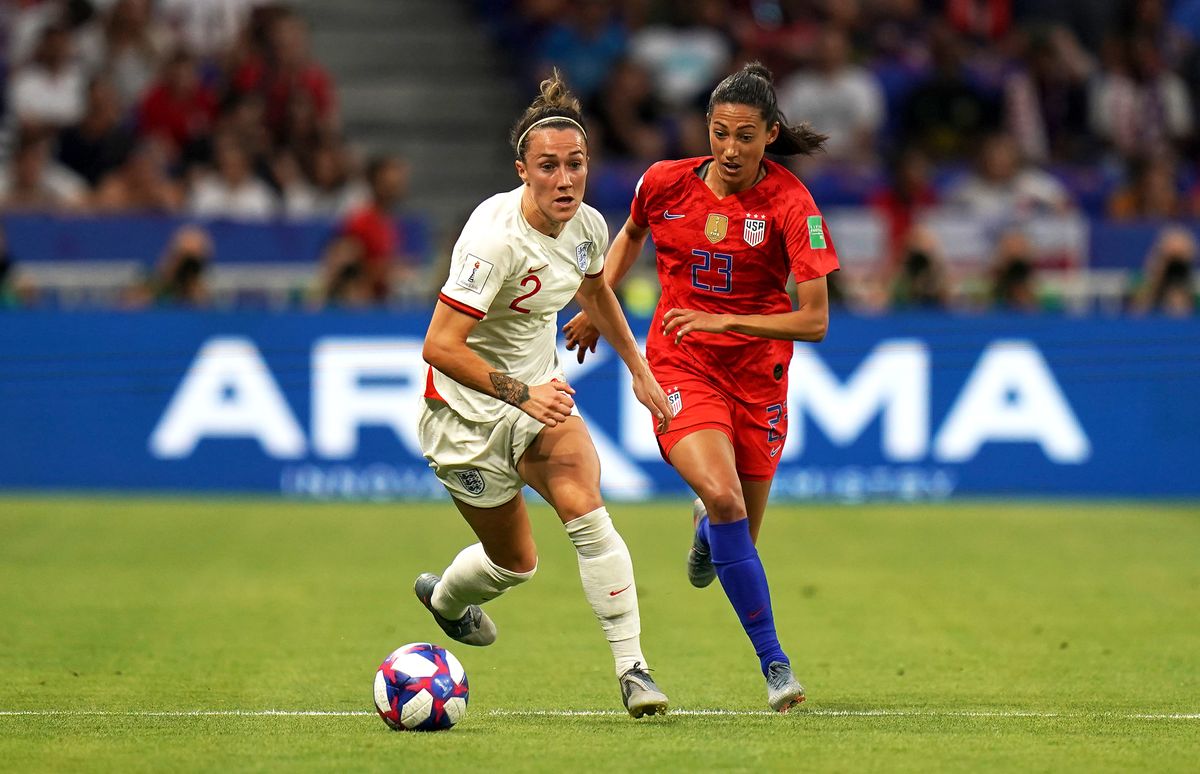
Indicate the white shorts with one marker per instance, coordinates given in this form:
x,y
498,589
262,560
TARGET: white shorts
x,y
476,461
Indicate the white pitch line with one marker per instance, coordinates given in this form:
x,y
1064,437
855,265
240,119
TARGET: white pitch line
x,y
867,713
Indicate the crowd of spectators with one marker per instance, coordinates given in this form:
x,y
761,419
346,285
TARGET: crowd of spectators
x,y
1001,109
1004,110
211,107
192,108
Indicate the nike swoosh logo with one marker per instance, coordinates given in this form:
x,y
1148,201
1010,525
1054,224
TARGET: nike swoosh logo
x,y
618,591
536,268
775,450
667,214
756,613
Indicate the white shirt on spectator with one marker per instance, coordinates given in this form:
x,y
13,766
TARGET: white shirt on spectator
x,y
1029,191
684,62
843,104
58,186
41,96
207,27
252,199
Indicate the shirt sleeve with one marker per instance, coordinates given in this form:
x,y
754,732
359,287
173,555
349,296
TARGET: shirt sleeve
x,y
599,248
639,209
810,249
478,268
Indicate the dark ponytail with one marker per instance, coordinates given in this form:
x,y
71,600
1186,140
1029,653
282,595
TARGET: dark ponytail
x,y
753,86
554,100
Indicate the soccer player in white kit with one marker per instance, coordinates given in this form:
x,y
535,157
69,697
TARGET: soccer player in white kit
x,y
498,413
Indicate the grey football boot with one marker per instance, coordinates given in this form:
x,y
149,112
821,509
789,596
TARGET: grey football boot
x,y
640,694
784,691
700,569
473,628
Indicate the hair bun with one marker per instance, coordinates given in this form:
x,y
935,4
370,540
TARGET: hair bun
x,y
759,69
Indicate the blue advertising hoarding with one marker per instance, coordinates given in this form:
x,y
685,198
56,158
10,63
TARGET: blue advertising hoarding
x,y
324,405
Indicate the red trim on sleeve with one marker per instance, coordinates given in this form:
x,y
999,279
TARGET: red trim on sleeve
x,y
459,306
594,276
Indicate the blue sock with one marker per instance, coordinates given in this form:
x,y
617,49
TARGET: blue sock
x,y
745,582
702,532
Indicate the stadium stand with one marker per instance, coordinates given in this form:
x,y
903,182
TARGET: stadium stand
x,y
1072,123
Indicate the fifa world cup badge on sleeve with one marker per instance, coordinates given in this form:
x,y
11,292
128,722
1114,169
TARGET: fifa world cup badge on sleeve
x,y
816,232
474,274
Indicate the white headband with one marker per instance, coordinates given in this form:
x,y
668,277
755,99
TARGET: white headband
x,y
547,119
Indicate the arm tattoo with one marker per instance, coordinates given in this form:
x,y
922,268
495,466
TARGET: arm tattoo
x,y
509,389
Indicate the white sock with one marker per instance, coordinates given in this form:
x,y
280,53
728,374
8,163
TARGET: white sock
x,y
472,579
607,575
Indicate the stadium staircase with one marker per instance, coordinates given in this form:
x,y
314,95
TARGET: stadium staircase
x,y
420,78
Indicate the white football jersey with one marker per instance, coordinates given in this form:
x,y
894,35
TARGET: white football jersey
x,y
514,279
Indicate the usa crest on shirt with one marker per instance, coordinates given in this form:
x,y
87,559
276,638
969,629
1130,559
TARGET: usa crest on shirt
x,y
755,230
581,255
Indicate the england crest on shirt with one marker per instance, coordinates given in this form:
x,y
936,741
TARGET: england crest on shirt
x,y
581,255
754,231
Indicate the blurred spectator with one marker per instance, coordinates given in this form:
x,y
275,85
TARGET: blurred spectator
x,y
365,262
285,71
243,117
1137,105
983,21
946,113
99,143
1046,100
179,277
231,190
207,28
1168,282
48,91
687,57
1013,268
778,34
839,98
325,188
1149,193
141,184
1091,20
1003,187
178,107
135,45
909,193
584,46
920,278
628,115
33,182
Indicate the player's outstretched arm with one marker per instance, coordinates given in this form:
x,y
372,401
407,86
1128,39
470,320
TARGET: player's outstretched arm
x,y
446,350
600,303
625,249
807,322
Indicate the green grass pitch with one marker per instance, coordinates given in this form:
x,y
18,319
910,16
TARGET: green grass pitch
x,y
968,637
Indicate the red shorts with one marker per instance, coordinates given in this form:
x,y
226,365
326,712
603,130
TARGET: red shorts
x,y
757,431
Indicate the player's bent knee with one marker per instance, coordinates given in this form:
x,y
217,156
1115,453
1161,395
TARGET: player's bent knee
x,y
725,505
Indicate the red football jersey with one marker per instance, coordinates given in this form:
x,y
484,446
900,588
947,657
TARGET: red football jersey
x,y
730,255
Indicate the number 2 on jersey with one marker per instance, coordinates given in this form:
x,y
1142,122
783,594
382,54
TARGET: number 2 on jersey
x,y
719,263
516,302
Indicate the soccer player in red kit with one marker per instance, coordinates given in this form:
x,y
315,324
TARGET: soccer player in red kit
x,y
728,231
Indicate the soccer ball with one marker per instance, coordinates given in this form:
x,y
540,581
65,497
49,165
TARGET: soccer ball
x,y
421,687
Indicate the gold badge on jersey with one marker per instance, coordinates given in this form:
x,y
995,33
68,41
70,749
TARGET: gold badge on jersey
x,y
715,227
